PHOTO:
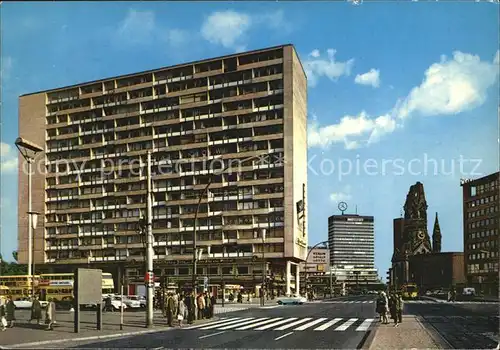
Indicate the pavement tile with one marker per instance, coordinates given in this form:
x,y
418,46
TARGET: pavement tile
x,y
410,334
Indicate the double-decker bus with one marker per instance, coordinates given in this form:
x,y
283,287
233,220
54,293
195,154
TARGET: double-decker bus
x,y
59,286
4,292
19,285
409,291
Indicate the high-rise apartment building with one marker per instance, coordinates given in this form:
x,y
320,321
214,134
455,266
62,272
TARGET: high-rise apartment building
x,y
481,217
352,248
196,119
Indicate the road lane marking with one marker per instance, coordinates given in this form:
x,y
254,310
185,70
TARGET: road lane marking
x,y
282,328
310,324
284,335
211,323
365,325
211,335
242,323
226,323
258,323
346,325
364,302
327,324
270,307
263,328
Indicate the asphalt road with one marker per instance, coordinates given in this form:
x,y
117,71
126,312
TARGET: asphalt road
x,y
463,326
318,325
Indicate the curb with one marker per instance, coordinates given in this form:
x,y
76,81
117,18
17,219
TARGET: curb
x,y
367,340
435,335
96,337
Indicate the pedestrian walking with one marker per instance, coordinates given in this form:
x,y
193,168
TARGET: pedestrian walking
x,y
3,320
213,301
170,309
10,310
36,310
207,305
108,305
181,310
382,307
201,306
50,314
188,302
398,310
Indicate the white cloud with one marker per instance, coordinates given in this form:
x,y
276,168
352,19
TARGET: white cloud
x,y
5,68
497,58
229,28
8,158
450,87
353,131
369,78
226,28
317,67
341,196
177,37
138,26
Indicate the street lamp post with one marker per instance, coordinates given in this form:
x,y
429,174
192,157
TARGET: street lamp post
x,y
34,219
324,243
202,195
29,150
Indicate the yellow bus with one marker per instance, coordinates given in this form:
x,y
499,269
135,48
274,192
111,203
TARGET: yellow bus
x,y
409,291
4,292
59,286
19,286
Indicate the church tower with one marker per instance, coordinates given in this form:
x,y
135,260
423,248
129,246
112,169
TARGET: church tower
x,y
436,236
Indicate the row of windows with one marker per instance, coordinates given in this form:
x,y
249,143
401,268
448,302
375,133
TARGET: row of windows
x,y
482,268
482,223
170,74
482,245
216,104
483,255
484,188
481,201
92,184
482,212
483,233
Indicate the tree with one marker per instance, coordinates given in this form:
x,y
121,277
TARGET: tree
x,y
12,268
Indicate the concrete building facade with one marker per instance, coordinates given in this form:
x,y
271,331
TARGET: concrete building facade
x,y
481,217
197,119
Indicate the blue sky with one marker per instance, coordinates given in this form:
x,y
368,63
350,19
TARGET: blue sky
x,y
389,83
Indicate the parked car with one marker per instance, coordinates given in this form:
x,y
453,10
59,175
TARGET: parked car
x,y
26,304
116,302
140,298
293,300
130,301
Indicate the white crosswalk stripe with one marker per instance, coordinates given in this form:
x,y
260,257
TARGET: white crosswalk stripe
x,y
365,325
346,325
260,323
328,324
289,323
275,324
223,310
309,324
451,303
348,302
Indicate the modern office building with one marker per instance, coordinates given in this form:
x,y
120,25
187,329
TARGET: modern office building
x,y
481,217
196,119
352,249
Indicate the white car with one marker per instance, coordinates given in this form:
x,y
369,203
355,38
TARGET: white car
x,y
26,304
293,300
116,302
140,298
130,301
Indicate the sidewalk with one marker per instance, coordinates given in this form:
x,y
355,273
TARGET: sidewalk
x,y
411,334
25,335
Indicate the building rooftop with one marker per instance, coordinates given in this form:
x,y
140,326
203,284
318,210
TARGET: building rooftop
x,y
206,60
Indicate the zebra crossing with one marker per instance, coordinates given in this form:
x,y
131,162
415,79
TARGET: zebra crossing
x,y
223,310
437,301
447,302
286,323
